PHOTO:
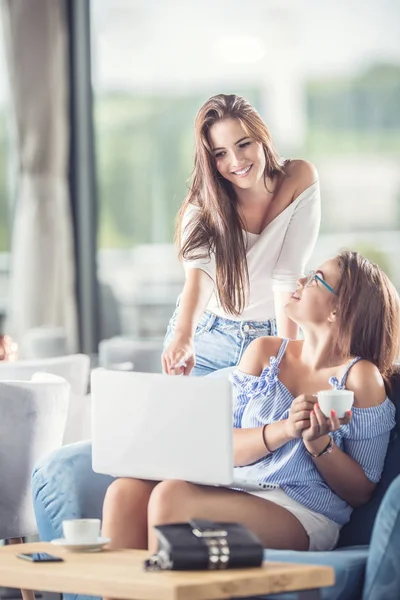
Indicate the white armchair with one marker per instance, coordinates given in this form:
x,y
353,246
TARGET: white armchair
x,y
32,424
33,417
75,369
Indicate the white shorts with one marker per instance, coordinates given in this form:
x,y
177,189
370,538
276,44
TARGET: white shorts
x,y
322,532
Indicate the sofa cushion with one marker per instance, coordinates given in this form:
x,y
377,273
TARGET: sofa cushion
x,y
349,565
382,575
359,528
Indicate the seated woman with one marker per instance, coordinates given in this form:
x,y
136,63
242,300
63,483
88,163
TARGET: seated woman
x,y
323,467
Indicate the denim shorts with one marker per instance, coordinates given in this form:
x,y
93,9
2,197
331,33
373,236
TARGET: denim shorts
x,y
219,343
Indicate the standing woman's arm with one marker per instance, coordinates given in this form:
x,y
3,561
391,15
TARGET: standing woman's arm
x,y
179,357
193,302
298,245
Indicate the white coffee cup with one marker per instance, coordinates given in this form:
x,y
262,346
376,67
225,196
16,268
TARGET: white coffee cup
x,y
81,531
338,400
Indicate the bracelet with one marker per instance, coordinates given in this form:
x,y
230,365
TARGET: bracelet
x,y
263,438
328,448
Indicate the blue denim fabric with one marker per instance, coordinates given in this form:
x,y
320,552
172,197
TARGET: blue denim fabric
x,y
348,563
220,342
64,486
382,578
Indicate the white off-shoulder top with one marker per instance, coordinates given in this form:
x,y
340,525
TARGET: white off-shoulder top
x,y
275,258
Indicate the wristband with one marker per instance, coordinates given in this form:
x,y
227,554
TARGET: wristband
x,y
263,438
328,448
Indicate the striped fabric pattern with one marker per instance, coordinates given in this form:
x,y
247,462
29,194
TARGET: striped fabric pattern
x,y
264,399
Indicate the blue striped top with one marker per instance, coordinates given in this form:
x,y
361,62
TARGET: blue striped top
x,y
264,399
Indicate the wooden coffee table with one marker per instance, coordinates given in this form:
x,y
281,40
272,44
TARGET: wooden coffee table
x,y
120,574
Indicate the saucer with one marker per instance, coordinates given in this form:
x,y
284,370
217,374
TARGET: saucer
x,y
83,546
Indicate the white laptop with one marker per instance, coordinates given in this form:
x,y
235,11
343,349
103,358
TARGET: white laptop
x,y
154,426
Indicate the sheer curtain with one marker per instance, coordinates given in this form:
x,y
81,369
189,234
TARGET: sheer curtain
x,y
42,265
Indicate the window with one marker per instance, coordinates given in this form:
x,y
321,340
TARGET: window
x,y
6,179
327,97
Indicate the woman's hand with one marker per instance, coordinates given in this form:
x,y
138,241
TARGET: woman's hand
x,y
320,425
178,357
299,415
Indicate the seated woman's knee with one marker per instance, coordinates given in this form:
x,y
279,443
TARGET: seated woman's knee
x,y
124,494
168,499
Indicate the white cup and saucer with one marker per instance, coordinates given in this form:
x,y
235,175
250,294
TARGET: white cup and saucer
x,y
82,535
338,400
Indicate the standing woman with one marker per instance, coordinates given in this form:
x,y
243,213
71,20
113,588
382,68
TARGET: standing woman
x,y
245,233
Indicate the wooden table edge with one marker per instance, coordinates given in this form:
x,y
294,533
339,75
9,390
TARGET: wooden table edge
x,y
171,585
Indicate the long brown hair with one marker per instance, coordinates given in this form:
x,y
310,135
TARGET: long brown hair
x,y
217,225
367,313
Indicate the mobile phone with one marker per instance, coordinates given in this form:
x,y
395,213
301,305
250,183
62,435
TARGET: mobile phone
x,y
40,557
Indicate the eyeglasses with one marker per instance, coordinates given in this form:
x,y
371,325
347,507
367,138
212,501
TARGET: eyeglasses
x,y
312,276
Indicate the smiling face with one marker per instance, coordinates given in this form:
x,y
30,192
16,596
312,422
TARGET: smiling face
x,y
238,158
313,302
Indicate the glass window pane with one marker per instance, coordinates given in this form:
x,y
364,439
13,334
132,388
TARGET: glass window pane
x,y
328,94
7,179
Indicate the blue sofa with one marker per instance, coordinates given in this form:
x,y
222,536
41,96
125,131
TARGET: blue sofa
x,y
366,561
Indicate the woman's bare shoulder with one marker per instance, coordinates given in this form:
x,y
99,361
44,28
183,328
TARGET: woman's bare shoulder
x,y
302,174
257,355
367,384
